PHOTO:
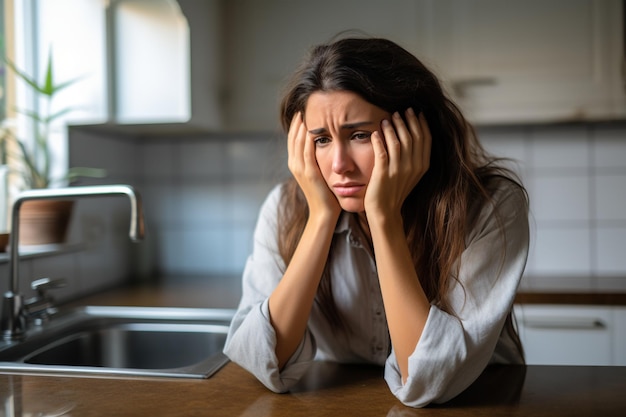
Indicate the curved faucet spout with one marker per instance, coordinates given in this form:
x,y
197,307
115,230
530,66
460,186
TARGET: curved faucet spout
x,y
136,233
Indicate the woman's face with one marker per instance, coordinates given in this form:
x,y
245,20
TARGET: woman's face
x,y
341,124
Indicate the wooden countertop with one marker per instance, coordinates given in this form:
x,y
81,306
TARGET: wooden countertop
x,y
571,298
327,390
224,292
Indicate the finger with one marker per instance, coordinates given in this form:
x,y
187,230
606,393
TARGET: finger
x,y
381,157
392,144
404,135
427,140
308,146
297,134
416,134
291,134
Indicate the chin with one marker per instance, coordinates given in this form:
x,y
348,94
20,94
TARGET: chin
x,y
352,205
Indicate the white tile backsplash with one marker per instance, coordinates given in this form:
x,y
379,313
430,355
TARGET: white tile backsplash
x,y
559,147
202,197
560,198
118,156
561,252
162,202
207,249
204,204
202,159
159,160
610,147
610,197
169,250
611,251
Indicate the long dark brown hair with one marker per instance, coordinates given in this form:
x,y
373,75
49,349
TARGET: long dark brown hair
x,y
436,213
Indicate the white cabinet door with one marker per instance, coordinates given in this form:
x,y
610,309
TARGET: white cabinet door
x,y
265,41
566,335
619,336
528,61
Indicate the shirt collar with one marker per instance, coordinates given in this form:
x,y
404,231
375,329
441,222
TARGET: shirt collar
x,y
343,224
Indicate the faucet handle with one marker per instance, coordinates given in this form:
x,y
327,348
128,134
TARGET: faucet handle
x,y
41,307
42,285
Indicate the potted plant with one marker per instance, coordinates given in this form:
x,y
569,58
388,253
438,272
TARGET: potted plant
x,y
31,162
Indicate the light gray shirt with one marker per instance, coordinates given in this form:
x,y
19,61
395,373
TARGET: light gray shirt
x,y
453,349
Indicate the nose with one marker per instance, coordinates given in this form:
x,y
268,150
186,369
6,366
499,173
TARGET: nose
x,y
342,160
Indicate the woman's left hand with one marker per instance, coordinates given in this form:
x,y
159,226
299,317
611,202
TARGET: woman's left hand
x,y
402,157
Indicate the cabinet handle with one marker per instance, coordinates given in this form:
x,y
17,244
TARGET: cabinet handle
x,y
565,323
460,86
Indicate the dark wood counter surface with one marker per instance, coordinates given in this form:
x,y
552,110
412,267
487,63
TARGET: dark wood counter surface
x,y
327,390
224,292
572,298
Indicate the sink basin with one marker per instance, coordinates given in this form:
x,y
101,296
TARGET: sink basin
x,y
131,341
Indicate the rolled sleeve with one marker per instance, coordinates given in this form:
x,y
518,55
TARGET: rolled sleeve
x,y
455,348
436,350
252,346
251,340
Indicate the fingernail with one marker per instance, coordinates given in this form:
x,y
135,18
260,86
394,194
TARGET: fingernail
x,y
410,111
385,123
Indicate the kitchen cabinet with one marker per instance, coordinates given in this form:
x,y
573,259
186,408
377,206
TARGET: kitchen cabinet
x,y
572,335
164,62
501,61
531,61
619,352
265,41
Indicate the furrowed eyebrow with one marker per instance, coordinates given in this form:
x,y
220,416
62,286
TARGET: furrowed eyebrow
x,y
346,126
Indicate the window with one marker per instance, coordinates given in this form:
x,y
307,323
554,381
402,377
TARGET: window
x,y
130,60
6,39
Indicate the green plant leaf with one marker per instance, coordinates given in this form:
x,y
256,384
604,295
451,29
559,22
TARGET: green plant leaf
x,y
24,77
34,161
32,176
77,172
48,88
58,114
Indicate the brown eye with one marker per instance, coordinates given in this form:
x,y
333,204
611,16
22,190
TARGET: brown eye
x,y
362,136
321,140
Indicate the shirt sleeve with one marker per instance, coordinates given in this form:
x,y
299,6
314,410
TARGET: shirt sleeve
x,y
455,348
251,339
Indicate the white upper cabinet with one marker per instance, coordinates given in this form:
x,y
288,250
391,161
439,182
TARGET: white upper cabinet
x,y
509,61
265,40
502,61
150,62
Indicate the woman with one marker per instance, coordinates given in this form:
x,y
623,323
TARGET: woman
x,y
398,241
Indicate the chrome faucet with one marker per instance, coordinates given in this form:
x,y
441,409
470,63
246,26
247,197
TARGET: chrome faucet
x,y
13,322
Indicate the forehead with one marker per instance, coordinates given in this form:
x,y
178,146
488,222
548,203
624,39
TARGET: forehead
x,y
339,106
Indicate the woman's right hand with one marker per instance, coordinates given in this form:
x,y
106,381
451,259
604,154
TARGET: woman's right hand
x,y
303,165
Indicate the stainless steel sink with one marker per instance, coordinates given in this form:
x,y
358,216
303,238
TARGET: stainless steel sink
x,y
131,341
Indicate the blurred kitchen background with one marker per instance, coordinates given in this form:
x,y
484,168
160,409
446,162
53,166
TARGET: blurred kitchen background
x,y
180,99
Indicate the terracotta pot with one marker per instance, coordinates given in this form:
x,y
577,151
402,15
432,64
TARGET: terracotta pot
x,y
4,241
44,222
